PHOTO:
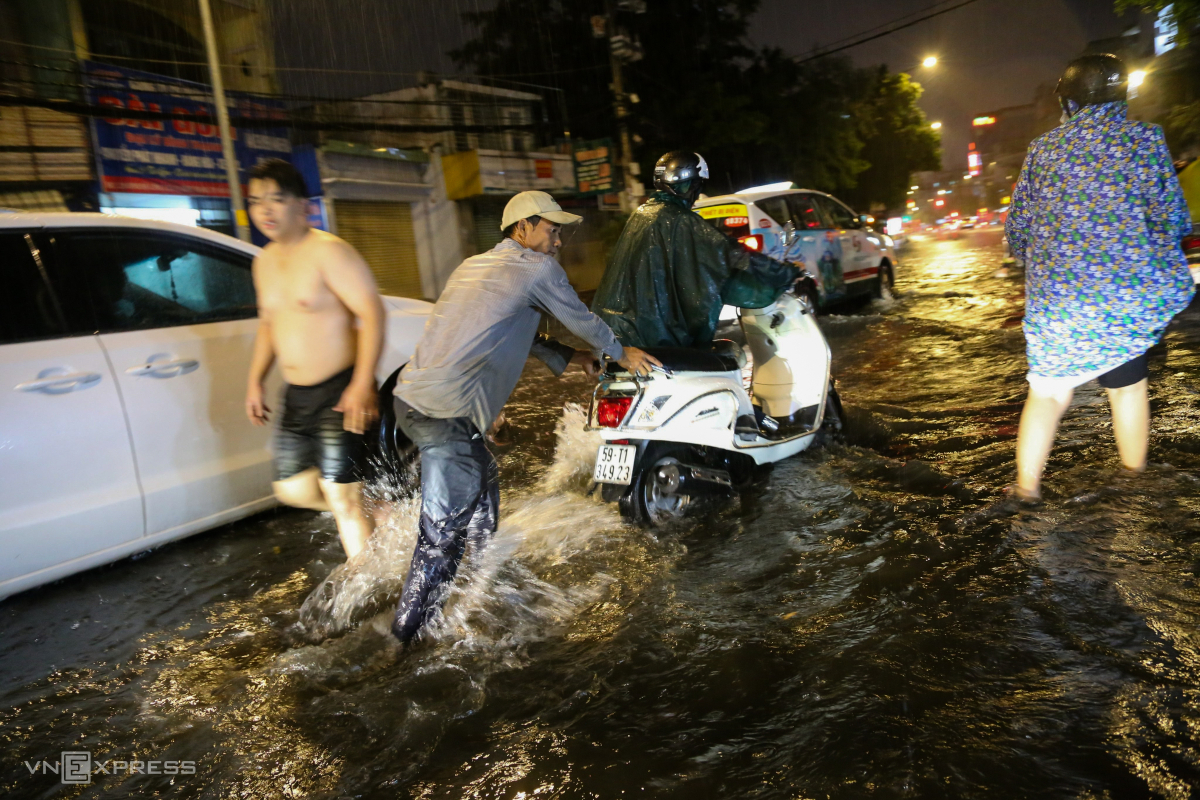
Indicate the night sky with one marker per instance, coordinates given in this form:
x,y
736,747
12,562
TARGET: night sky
x,y
993,53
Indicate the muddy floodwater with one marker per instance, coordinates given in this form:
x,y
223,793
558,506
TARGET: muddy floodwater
x,y
859,625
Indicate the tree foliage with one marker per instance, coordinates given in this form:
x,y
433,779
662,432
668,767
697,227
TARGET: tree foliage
x,y
1184,13
757,116
897,141
1175,86
1182,127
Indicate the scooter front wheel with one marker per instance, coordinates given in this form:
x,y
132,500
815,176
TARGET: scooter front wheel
x,y
833,425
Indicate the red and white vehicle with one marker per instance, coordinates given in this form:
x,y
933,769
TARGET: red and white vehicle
x,y
813,230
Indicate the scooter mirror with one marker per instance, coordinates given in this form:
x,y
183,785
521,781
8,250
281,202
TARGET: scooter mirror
x,y
789,233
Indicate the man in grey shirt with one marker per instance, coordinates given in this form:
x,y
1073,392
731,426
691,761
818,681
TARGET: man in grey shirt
x,y
466,365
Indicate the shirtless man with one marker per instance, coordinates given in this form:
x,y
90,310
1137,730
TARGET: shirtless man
x,y
320,315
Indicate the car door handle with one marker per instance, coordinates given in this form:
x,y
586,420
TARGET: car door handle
x,y
56,384
157,369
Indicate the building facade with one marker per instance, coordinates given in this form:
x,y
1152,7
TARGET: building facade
x,y
416,179
53,159
467,148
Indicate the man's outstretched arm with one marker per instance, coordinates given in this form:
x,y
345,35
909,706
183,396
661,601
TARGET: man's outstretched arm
x,y
553,292
553,353
558,356
349,278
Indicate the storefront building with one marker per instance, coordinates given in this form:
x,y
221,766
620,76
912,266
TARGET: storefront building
x,y
48,158
368,196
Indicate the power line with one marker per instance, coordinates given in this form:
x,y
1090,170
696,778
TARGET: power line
x,y
280,96
881,26
72,56
250,122
864,38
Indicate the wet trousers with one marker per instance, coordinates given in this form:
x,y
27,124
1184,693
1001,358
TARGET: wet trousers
x,y
460,501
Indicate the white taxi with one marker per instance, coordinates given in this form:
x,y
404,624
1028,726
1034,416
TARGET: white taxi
x,y
810,229
124,350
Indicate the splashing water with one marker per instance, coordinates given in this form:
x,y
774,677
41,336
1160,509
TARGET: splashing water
x,y
357,590
574,453
545,528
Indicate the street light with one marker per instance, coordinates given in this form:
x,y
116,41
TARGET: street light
x,y
931,61
937,126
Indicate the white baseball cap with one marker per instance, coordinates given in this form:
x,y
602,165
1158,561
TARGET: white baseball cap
x,y
535,204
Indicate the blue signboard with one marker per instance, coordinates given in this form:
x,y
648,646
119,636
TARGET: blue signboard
x,y
318,215
174,156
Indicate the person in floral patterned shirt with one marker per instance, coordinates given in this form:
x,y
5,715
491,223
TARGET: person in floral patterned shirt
x,y
1097,217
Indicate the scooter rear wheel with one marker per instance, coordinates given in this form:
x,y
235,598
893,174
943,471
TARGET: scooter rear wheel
x,y
650,501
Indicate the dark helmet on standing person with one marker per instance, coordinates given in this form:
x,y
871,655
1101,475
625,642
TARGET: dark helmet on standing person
x,y
1092,79
682,174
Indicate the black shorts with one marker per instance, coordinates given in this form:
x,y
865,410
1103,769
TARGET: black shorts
x,y
311,434
1127,374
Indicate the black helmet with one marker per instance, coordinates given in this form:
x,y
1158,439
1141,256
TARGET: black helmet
x,y
1092,79
682,174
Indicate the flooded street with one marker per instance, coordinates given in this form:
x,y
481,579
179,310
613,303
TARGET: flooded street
x,y
858,626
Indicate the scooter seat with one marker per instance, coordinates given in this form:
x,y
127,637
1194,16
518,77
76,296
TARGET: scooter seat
x,y
723,355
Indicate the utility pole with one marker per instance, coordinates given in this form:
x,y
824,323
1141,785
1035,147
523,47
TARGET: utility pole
x,y
240,222
620,106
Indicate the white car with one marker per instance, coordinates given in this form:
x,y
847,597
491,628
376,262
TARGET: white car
x,y
124,350
820,233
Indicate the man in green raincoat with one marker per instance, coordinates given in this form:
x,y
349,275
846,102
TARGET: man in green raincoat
x,y
671,271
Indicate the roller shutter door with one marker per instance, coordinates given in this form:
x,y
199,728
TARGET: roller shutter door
x,y
383,233
489,211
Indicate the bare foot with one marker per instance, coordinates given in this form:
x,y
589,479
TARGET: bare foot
x,y
358,559
1025,497
381,514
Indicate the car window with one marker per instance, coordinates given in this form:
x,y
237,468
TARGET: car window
x,y
806,213
140,280
29,309
839,215
777,208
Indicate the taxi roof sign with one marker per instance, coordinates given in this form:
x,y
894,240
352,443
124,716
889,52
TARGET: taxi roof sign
x,y
986,120
730,210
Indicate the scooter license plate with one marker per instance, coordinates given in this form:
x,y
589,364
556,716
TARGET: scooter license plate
x,y
614,463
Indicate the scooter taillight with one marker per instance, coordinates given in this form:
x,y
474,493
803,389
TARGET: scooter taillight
x,y
611,410
754,242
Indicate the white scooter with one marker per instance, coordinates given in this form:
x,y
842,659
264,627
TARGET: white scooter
x,y
695,428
